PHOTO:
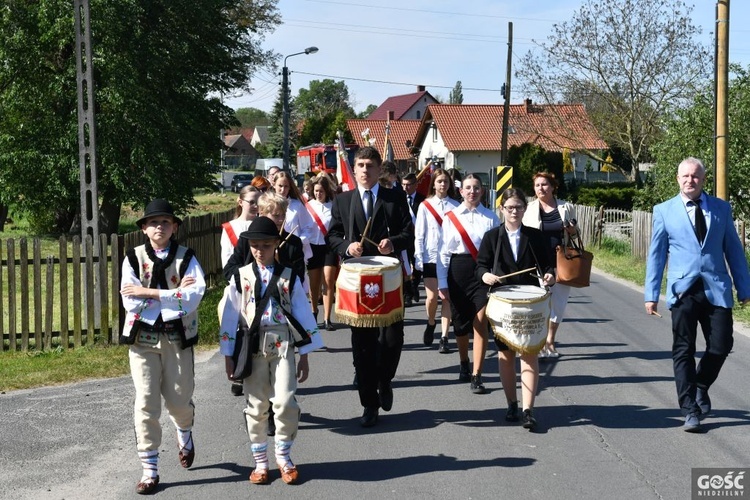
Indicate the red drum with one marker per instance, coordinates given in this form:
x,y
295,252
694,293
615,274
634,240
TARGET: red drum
x,y
519,317
368,292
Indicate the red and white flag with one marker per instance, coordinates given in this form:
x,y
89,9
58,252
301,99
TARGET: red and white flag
x,y
344,170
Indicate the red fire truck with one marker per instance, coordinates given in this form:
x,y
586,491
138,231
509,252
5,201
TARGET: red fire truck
x,y
322,158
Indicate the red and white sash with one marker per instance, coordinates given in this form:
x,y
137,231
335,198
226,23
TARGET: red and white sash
x,y
464,235
434,213
230,232
317,219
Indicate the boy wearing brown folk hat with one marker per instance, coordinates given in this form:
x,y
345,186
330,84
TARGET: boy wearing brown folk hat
x,y
267,299
162,285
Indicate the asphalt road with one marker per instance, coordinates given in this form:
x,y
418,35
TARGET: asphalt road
x,y
609,425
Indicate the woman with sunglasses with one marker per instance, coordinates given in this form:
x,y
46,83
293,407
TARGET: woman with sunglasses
x,y
245,212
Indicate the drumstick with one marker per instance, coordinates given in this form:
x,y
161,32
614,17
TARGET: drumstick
x,y
516,273
364,233
368,240
287,236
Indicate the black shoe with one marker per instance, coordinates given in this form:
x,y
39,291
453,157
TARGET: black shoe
x,y
444,349
529,422
429,334
703,401
271,424
408,302
415,296
464,373
237,388
477,387
386,397
512,414
329,326
369,417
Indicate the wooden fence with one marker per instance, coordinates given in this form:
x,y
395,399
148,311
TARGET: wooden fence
x,y
70,297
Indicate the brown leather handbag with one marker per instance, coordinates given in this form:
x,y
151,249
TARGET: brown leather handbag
x,y
574,263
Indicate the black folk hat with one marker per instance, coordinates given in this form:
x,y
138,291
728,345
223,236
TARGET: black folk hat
x,y
158,207
262,228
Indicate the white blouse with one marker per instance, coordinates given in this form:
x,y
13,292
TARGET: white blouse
x,y
323,210
299,221
476,223
427,230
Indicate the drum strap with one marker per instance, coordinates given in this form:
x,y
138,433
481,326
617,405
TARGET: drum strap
x,y
464,235
230,232
433,212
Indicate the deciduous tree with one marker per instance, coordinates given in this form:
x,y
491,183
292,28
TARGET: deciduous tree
x,y
629,61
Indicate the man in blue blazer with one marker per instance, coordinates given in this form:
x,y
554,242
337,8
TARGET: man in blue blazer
x,y
699,286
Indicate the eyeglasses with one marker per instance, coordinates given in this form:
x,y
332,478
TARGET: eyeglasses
x,y
250,202
514,208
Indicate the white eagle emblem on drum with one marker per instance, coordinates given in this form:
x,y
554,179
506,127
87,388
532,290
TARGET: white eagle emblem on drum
x,y
372,290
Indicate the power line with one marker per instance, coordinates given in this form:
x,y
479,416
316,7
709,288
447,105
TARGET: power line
x,y
393,83
425,11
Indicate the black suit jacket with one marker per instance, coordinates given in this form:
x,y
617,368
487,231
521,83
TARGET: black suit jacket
x,y
290,255
391,219
533,251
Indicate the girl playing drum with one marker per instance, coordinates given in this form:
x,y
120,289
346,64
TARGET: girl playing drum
x,y
506,250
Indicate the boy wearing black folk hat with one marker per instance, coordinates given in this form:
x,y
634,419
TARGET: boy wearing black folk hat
x,y
162,285
268,301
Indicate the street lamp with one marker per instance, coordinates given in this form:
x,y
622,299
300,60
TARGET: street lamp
x,y
285,102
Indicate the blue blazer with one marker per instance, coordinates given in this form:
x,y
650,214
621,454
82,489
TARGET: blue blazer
x,y
673,236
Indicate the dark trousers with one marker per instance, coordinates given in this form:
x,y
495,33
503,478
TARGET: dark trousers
x,y
691,309
377,352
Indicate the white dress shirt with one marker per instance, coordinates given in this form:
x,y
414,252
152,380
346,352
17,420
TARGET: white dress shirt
x,y
427,230
476,222
323,211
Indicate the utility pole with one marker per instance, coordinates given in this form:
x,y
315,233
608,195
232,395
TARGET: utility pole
x,y
285,103
506,96
721,102
86,124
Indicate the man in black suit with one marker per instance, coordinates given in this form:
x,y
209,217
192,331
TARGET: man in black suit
x,y
376,350
413,199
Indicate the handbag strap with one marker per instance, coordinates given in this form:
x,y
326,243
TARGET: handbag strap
x,y
464,235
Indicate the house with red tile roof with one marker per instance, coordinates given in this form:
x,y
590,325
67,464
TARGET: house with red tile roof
x,y
238,152
401,131
469,135
404,107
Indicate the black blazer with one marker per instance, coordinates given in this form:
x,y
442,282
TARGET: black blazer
x,y
533,251
290,255
391,219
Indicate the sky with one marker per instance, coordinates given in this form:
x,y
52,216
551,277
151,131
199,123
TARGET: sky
x,y
387,47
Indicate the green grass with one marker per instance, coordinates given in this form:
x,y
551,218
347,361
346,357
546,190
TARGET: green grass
x,y
614,258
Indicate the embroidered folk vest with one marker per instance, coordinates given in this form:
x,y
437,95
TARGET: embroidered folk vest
x,y
187,326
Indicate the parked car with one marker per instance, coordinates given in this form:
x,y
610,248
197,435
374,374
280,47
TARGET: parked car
x,y
240,180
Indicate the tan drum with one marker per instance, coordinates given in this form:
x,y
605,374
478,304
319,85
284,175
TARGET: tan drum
x,y
519,316
368,292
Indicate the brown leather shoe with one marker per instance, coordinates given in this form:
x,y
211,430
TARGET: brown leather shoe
x,y
259,476
146,486
289,473
187,457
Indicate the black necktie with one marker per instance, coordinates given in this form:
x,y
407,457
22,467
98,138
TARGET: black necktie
x,y
411,201
700,221
368,203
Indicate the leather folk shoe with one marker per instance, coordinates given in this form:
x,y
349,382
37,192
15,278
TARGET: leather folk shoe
x,y
147,485
289,473
369,417
703,401
187,456
259,476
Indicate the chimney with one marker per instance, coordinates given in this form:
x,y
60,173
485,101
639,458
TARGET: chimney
x,y
527,102
391,115
420,88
